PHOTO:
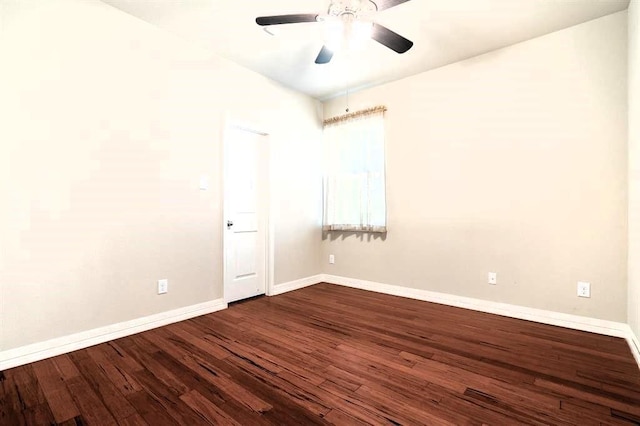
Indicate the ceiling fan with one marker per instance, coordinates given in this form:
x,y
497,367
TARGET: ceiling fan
x,y
347,16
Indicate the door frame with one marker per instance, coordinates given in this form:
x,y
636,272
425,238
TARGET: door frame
x,y
228,123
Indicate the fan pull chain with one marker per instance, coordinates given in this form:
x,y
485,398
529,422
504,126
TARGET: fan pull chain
x,y
347,110
346,78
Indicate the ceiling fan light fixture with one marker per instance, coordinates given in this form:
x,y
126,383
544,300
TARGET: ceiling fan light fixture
x,y
361,32
347,25
357,8
346,33
334,34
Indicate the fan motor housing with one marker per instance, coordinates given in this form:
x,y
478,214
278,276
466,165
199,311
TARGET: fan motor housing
x,y
355,8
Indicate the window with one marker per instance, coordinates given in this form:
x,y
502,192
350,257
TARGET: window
x,y
354,180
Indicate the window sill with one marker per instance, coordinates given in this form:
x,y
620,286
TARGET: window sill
x,y
355,228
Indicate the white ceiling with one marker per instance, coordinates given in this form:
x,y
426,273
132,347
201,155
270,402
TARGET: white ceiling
x,y
443,32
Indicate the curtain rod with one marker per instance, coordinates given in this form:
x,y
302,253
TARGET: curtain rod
x,y
355,114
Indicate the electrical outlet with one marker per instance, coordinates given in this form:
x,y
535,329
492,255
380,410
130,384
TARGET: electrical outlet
x,y
584,289
332,259
493,278
163,286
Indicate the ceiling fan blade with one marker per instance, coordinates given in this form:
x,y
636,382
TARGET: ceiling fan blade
x,y
325,55
393,41
386,4
286,19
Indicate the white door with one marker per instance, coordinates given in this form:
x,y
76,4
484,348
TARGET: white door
x,y
245,225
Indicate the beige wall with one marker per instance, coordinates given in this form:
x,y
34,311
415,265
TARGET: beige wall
x,y
106,125
634,166
513,162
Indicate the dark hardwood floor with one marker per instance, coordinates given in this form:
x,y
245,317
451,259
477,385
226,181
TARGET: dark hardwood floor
x,y
329,354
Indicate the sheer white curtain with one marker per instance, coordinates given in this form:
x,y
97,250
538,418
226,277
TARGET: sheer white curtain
x,y
354,180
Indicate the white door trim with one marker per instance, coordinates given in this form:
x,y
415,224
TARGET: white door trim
x,y
230,122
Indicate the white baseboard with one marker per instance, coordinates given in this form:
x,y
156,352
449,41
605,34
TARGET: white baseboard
x,y
38,351
594,325
297,284
576,322
634,344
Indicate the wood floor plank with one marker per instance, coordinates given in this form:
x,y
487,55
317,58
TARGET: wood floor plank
x,y
165,399
191,334
195,382
338,417
9,413
65,367
29,403
76,421
625,404
125,383
207,410
55,391
220,380
135,420
103,387
92,408
327,354
150,410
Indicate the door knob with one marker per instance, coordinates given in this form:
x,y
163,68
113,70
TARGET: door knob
x,y
229,224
